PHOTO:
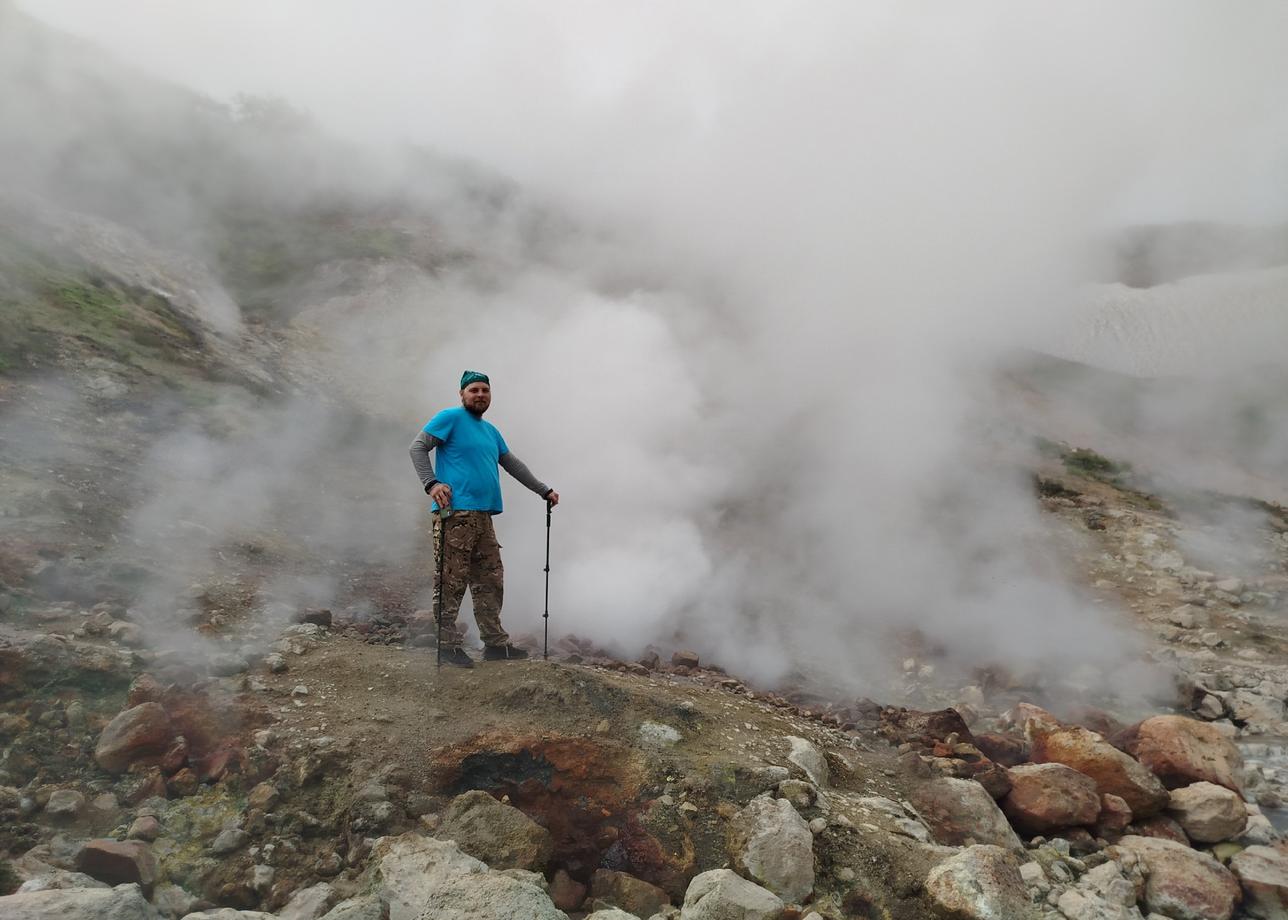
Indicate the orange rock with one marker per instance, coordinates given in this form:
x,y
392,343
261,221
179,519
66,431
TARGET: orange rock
x,y
1115,773
1181,751
1050,796
140,734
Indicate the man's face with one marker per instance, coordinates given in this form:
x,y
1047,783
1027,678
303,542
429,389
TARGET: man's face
x,y
477,397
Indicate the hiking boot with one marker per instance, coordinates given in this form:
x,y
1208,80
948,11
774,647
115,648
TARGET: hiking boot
x,y
457,658
503,653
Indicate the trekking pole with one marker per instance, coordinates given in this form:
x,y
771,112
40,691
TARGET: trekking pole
x,y
545,642
438,595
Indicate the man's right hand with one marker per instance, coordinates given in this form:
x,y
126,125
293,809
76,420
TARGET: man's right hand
x,y
441,492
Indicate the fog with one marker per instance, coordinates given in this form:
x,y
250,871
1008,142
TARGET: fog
x,y
745,284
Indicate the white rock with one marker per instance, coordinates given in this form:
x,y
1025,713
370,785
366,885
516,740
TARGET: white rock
x,y
656,735
722,894
125,902
308,903
810,759
776,847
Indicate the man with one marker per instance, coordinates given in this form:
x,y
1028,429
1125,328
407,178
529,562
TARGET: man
x,y
467,491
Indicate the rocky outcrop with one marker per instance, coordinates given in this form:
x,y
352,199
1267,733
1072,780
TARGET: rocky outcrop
x,y
1183,883
1181,751
1047,797
1115,773
498,834
722,894
773,845
960,811
980,883
1208,813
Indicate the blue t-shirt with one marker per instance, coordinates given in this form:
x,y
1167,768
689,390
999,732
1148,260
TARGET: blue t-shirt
x,y
467,459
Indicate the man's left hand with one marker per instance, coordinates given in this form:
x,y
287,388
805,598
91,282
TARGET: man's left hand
x,y
553,497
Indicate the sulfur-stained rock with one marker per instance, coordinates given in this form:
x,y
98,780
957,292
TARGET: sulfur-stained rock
x,y
627,892
722,894
1208,813
498,834
1115,773
773,845
980,883
1181,751
1183,883
960,811
1263,873
1047,797
142,733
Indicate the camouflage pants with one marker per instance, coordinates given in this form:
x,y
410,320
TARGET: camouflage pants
x,y
473,561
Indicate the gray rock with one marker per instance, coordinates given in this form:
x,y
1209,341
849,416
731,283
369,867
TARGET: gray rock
x,y
722,894
1208,813
367,907
125,902
229,840
498,834
308,903
172,902
60,879
65,804
228,913
960,812
655,735
773,844
611,913
810,759
425,877
1263,874
981,883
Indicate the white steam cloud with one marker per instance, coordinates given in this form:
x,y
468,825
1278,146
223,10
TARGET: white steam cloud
x,y
760,372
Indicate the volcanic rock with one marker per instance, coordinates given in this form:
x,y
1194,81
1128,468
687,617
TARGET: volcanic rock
x,y
810,759
308,903
124,903
1004,749
367,907
1047,797
722,894
774,846
1208,813
1115,773
980,883
1182,883
685,659
142,733
1115,816
145,827
627,892
912,726
264,797
119,863
566,892
960,812
1159,827
65,804
498,834
1263,873
1180,751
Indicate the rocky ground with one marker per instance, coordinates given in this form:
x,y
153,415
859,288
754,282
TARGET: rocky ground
x,y
342,775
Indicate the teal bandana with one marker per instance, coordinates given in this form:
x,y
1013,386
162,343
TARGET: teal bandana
x,y
473,377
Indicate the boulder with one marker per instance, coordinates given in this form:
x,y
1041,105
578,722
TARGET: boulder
x,y
141,734
123,903
627,892
722,894
498,834
1007,750
810,759
49,878
980,883
1049,796
1263,873
119,863
773,845
566,892
1115,773
425,877
1181,751
1181,883
960,811
308,903
1208,813
1115,817
1159,827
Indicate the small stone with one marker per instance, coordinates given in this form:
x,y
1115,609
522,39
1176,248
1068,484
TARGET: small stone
x,y
817,826
276,663
229,840
65,804
146,828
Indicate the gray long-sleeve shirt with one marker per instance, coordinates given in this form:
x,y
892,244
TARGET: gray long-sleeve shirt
x,y
426,442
